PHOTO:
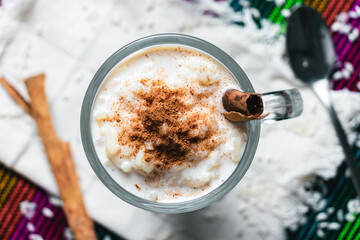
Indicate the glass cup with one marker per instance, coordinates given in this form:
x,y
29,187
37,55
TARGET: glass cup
x,y
281,105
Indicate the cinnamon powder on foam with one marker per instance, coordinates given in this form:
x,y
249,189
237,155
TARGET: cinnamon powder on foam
x,y
166,126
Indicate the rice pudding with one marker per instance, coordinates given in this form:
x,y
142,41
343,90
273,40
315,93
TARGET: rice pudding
x,y
158,126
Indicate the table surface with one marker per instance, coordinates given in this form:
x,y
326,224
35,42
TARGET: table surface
x,y
34,44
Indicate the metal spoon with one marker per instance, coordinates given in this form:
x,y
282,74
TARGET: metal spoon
x,y
311,54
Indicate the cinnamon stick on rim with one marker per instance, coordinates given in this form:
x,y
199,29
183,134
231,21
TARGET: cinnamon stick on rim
x,y
242,106
59,156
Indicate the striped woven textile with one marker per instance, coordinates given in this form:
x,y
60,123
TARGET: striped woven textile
x,y
337,197
29,212
347,50
338,214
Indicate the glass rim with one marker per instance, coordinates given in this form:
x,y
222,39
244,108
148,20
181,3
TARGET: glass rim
x,y
86,115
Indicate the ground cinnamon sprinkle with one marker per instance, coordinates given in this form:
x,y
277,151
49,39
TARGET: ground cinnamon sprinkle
x,y
165,129
137,187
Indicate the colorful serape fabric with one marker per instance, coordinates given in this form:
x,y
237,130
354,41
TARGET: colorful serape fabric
x,y
29,212
342,17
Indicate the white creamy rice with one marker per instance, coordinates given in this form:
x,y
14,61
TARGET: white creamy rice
x,y
204,81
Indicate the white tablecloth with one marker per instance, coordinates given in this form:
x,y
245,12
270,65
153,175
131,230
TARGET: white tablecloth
x,y
68,40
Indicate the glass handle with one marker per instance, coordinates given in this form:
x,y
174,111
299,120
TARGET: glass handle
x,y
282,105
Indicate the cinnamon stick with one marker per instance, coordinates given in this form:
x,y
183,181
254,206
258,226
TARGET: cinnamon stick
x,y
59,156
15,95
242,106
